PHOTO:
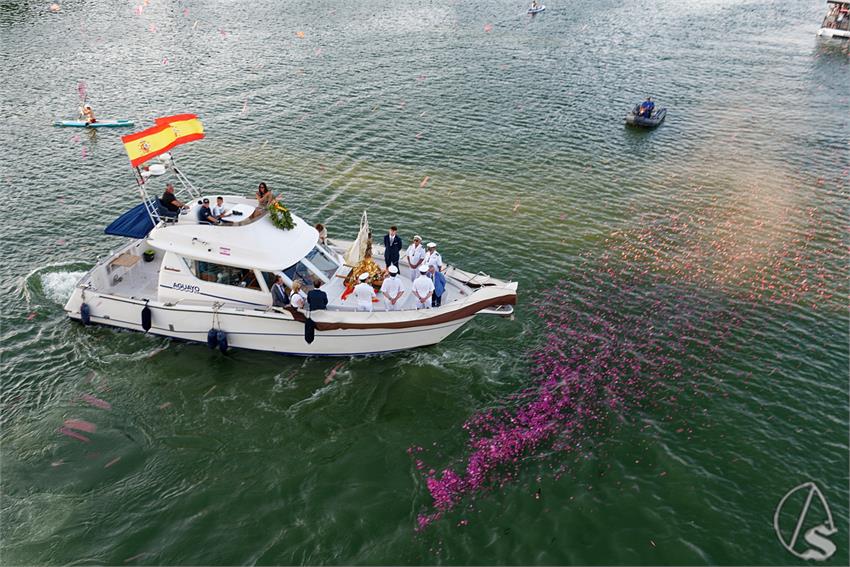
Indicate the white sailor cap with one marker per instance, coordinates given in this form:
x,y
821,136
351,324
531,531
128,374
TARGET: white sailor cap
x,y
423,268
417,237
364,276
392,269
432,245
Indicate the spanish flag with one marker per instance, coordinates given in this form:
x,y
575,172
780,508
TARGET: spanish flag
x,y
169,131
187,127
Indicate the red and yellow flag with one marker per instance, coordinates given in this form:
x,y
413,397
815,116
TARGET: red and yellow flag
x,y
187,127
169,131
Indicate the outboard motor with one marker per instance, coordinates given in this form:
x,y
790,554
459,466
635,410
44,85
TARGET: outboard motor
x,y
85,314
146,317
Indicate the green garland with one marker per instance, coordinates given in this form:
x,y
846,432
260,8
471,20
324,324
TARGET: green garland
x,y
280,216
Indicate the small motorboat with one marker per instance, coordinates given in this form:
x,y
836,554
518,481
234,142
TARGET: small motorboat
x,y
635,119
98,124
836,24
536,9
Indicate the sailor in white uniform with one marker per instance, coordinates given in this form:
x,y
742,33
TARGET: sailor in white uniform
x,y
415,256
392,290
364,293
423,288
433,258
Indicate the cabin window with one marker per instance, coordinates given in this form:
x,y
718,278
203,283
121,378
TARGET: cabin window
x,y
322,262
227,275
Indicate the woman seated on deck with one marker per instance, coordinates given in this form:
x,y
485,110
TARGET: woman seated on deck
x,y
264,199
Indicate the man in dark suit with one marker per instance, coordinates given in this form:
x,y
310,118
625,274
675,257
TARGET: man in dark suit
x,y
392,247
316,298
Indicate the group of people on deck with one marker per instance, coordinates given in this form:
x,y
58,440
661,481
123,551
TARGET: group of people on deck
x,y
426,272
426,267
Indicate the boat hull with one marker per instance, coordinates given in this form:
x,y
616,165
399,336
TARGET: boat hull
x,y
281,330
833,33
98,124
657,118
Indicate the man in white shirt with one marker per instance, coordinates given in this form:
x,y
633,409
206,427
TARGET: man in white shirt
x,y
364,293
218,210
392,290
423,288
433,258
415,256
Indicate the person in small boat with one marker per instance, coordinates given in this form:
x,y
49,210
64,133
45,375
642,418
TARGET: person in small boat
x,y
423,288
364,293
534,5
415,256
88,114
392,290
205,214
392,247
172,204
317,299
279,296
439,285
297,297
646,107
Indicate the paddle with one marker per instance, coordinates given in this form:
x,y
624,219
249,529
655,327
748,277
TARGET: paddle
x,y
83,92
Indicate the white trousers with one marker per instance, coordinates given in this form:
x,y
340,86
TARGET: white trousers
x,y
364,306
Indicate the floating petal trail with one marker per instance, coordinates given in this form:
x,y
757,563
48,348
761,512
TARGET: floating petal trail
x,y
633,330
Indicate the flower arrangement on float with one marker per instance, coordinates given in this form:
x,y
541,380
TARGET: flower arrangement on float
x,y
280,216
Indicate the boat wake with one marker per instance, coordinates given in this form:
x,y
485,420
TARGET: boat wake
x,y
54,283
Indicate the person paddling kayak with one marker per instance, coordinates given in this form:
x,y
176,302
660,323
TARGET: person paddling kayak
x,y
88,114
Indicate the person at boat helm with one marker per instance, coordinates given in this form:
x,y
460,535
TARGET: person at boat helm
x,y
646,107
205,215
364,293
88,114
316,298
279,297
392,247
392,289
171,203
423,288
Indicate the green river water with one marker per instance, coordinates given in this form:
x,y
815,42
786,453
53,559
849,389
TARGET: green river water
x,y
517,122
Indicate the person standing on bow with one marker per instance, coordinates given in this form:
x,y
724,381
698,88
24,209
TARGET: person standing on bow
x,y
433,258
392,247
439,285
392,290
415,256
423,288
364,293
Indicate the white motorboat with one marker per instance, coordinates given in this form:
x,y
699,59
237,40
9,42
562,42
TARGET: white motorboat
x,y
836,24
188,280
